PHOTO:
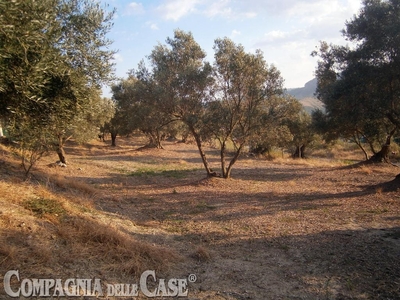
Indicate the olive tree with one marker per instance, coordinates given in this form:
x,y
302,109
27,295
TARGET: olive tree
x,y
360,85
245,98
54,56
180,70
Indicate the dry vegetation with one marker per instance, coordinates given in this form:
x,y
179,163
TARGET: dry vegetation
x,y
281,229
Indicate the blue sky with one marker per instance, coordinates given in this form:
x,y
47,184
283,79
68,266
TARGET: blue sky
x,y
287,31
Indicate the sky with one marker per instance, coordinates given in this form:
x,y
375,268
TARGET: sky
x,y
286,31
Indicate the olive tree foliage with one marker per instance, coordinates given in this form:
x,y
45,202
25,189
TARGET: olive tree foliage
x,y
179,69
54,56
151,118
28,64
360,86
121,123
86,50
85,125
303,133
287,126
346,100
137,98
246,102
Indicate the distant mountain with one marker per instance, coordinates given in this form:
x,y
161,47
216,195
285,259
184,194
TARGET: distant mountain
x,y
307,91
306,96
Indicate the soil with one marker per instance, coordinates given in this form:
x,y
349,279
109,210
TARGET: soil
x,y
283,229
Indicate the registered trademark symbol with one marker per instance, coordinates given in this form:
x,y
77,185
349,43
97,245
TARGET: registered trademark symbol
x,y
192,278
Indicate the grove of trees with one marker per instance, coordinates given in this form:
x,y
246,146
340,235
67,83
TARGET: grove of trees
x,y
239,101
55,56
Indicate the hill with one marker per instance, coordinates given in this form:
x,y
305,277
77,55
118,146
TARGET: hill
x,y
306,96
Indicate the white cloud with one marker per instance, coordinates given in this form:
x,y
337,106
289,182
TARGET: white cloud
x,y
305,10
216,8
276,38
293,60
310,13
287,31
275,35
177,9
290,51
227,10
235,33
152,25
290,43
134,8
325,20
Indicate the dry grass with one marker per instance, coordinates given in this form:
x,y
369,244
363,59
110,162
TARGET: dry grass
x,y
117,251
53,222
366,169
71,185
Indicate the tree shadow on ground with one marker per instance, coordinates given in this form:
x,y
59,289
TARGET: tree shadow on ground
x,y
220,206
336,264
270,174
390,186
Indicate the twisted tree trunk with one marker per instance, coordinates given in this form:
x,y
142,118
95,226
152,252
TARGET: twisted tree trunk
x,y
60,149
383,154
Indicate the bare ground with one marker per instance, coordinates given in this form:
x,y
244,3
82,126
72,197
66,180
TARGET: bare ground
x,y
278,230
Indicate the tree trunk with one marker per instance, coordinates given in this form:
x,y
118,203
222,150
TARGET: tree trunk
x,y
363,150
233,161
357,140
222,155
60,149
296,152
383,154
371,146
299,152
303,150
154,139
184,137
61,155
159,138
113,138
197,138
101,136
